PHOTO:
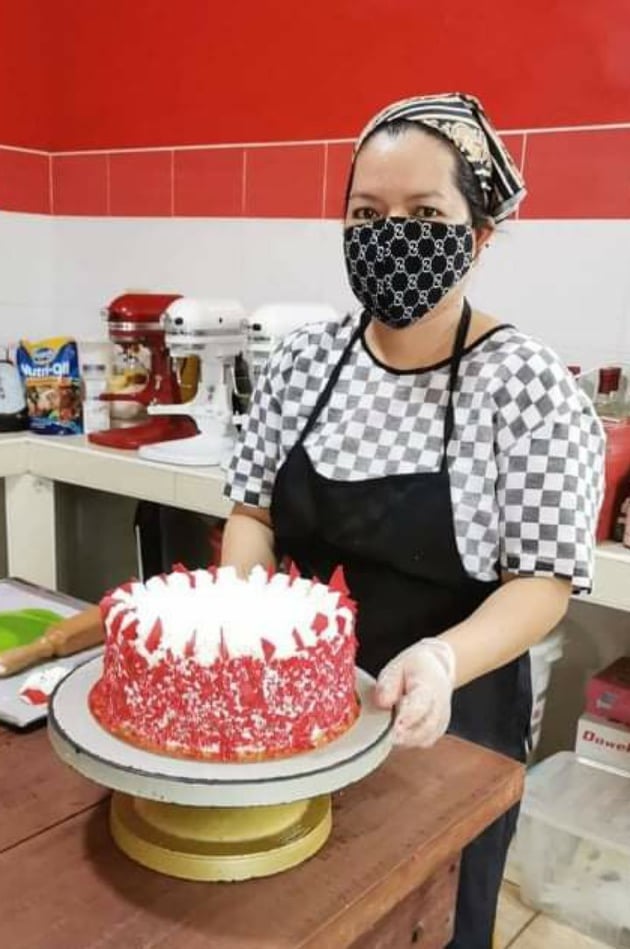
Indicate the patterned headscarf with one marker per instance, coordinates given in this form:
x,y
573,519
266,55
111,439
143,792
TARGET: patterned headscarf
x,y
462,120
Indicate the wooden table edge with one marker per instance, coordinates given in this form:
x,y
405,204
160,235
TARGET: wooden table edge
x,y
506,791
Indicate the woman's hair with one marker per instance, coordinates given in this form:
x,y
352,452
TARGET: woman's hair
x,y
465,178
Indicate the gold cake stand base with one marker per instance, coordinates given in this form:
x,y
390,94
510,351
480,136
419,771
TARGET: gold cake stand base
x,y
219,843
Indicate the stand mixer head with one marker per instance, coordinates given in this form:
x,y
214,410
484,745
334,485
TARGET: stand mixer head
x,y
215,331
270,323
218,332
134,323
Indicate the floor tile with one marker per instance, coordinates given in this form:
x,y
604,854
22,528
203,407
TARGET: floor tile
x,y
512,916
545,933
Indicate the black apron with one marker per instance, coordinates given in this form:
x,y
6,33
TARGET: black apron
x,y
396,541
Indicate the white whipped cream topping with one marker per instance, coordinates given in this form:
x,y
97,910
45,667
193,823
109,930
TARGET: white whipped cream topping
x,y
228,610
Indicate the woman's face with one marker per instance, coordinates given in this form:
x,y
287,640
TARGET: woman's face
x,y
406,175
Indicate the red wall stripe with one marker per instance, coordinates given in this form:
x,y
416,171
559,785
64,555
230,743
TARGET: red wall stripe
x,y
209,182
148,74
80,184
578,175
569,174
24,181
284,181
29,73
337,172
114,75
141,184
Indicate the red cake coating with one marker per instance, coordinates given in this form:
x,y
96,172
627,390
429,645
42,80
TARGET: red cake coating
x,y
235,708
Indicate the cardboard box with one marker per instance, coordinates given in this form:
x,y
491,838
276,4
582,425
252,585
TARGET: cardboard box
x,y
608,692
605,743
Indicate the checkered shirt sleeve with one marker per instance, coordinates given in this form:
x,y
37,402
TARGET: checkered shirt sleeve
x,y
252,471
550,457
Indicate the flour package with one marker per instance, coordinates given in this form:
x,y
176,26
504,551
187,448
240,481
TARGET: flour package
x,y
50,370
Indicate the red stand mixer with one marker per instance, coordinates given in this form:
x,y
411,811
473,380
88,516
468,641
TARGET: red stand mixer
x,y
134,323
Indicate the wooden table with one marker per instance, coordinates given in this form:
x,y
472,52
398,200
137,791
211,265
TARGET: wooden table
x,y
386,878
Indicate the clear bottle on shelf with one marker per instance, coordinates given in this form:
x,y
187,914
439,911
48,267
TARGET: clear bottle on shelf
x,y
94,383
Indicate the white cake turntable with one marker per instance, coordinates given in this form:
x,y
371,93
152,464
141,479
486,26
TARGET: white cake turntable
x,y
203,820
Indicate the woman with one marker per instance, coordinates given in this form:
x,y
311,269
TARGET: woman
x,y
447,460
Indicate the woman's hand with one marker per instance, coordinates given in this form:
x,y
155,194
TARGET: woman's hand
x,y
420,682
248,539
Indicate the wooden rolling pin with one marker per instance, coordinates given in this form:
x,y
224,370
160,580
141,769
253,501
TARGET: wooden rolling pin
x,y
64,638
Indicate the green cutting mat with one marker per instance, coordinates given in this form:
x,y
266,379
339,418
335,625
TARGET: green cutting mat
x,y
20,627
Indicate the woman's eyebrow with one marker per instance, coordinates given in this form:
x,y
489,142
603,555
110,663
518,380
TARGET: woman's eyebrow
x,y
418,196
364,196
425,195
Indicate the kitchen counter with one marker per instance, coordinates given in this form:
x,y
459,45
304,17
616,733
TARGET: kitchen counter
x,y
32,464
386,878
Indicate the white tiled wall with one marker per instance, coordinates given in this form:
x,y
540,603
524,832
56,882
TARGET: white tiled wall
x,y
565,281
254,261
26,284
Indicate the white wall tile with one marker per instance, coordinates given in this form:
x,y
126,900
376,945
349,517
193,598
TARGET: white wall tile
x,y
25,258
23,321
567,282
254,261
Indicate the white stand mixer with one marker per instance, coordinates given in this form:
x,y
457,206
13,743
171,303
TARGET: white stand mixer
x,y
216,332
269,325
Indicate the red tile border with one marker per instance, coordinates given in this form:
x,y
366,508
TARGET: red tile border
x,y
284,181
141,184
515,142
578,175
208,182
339,157
24,182
572,174
79,184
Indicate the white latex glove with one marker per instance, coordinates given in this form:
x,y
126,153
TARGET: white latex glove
x,y
420,681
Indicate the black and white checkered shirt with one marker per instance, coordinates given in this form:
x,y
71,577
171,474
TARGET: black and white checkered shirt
x,y
525,459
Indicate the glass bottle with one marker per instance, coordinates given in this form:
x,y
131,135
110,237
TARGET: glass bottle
x,y
609,399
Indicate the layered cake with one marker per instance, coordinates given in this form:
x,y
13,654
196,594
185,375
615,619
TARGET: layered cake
x,y
203,664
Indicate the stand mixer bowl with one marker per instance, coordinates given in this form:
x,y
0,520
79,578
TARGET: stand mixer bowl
x,y
134,322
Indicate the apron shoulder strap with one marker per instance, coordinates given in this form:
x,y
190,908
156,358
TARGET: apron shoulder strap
x,y
326,392
456,359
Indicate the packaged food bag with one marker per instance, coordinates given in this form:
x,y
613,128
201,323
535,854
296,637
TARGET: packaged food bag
x,y
50,370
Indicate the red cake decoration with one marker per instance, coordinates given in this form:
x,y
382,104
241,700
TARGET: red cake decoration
x,y
204,664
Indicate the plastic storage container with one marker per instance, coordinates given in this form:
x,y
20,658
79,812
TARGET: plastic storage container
x,y
94,384
95,364
573,847
542,657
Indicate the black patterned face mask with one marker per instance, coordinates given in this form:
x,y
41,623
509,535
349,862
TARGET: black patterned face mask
x,y
400,268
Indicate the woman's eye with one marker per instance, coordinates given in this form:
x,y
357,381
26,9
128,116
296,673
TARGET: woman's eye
x,y
365,214
425,212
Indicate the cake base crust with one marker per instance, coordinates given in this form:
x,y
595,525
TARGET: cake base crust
x,y
241,709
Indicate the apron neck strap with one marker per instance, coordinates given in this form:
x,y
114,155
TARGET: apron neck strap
x,y
456,358
326,392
